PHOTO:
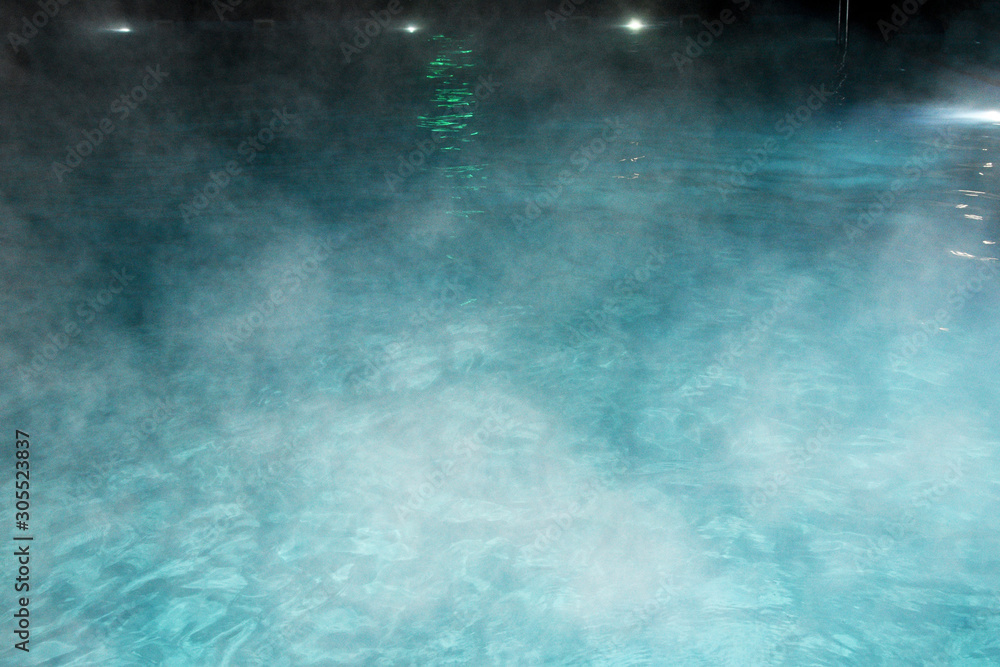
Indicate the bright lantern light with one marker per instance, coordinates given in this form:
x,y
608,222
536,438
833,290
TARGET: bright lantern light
x,y
635,24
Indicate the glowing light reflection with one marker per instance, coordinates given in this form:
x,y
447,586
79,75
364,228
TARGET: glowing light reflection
x,y
989,116
936,115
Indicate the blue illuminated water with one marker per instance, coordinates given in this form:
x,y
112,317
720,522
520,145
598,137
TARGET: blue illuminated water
x,y
559,396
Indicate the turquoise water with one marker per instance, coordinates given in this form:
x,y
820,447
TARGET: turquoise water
x,y
482,356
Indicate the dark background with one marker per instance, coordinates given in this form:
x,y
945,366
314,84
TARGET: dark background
x,y
934,14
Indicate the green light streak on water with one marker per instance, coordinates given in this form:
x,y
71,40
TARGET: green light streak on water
x,y
453,103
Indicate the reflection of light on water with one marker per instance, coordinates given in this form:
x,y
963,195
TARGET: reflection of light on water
x,y
984,116
942,115
455,101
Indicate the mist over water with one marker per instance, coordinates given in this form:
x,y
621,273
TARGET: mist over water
x,y
515,345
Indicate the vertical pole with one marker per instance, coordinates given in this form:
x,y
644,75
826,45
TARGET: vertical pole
x,y
847,9
843,9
